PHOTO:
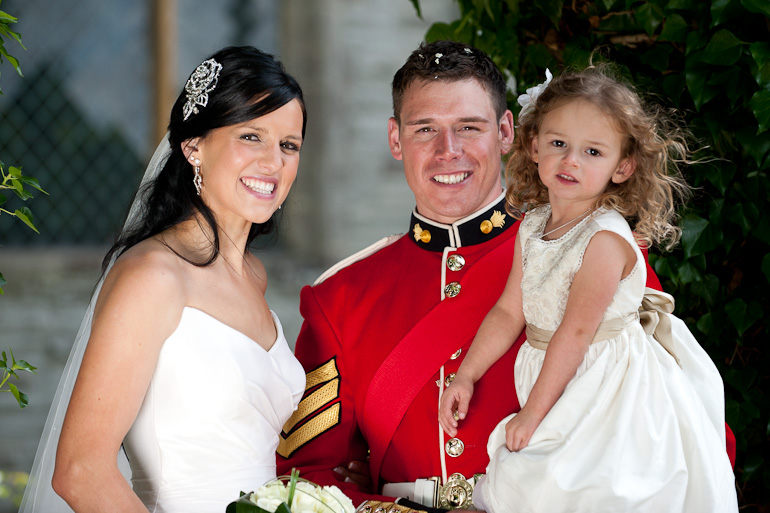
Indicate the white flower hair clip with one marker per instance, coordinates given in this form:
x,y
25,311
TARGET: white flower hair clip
x,y
528,99
203,80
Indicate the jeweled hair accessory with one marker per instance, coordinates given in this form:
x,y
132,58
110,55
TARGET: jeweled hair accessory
x,y
203,80
528,99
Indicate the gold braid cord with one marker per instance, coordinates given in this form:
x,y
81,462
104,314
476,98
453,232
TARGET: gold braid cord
x,y
385,507
312,416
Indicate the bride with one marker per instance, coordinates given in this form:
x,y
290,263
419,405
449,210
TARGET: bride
x,y
185,365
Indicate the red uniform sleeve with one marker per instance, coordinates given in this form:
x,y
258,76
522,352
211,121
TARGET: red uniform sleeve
x,y
323,433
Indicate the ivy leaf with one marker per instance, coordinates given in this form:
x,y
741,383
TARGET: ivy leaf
x,y
724,49
757,146
3,199
741,380
551,8
762,230
696,76
765,267
7,18
25,215
18,188
760,106
688,273
707,288
761,54
695,41
743,315
416,4
649,16
698,236
758,6
657,57
707,325
681,4
720,175
439,31
673,86
2,282
724,10
737,216
674,29
607,4
739,415
32,182
20,396
23,365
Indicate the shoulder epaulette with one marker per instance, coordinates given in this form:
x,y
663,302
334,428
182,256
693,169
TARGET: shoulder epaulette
x,y
352,259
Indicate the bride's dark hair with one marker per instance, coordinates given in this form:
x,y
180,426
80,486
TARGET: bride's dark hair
x,y
251,84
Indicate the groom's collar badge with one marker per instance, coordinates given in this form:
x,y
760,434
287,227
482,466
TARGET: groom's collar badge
x,y
478,228
203,80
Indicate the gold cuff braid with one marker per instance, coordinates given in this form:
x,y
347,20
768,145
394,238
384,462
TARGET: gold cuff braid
x,y
385,507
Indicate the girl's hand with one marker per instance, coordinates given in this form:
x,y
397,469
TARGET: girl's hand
x,y
454,403
519,429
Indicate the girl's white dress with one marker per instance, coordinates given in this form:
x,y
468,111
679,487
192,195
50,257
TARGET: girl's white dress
x,y
209,424
634,431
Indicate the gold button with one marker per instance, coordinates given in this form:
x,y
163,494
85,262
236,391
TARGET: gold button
x,y
486,226
452,289
456,354
455,262
454,447
448,380
425,236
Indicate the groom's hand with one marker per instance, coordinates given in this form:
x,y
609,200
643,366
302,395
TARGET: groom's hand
x,y
357,472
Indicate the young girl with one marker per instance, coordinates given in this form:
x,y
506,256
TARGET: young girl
x,y
613,419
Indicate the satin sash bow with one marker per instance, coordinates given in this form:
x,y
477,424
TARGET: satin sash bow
x,y
652,314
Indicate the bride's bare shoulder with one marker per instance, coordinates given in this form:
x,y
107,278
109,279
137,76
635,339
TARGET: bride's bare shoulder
x,y
148,266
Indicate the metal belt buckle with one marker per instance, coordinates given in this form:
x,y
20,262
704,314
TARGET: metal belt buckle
x,y
457,493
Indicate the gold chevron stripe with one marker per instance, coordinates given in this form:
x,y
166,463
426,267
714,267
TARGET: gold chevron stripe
x,y
308,431
312,403
326,372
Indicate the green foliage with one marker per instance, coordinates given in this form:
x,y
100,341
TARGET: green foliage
x,y
710,60
5,21
15,181
9,371
12,486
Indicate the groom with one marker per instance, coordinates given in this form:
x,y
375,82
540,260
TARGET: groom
x,y
386,329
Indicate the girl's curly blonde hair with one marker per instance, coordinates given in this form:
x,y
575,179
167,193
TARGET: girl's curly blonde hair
x,y
649,198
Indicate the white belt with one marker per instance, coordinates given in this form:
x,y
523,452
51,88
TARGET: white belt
x,y
457,493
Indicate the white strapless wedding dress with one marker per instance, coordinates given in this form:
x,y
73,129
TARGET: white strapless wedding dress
x,y
208,427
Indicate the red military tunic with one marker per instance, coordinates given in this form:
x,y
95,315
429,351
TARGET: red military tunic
x,y
380,338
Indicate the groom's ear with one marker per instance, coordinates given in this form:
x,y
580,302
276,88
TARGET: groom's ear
x,y
394,139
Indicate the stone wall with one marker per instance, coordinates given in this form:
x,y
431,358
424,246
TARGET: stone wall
x,y
350,192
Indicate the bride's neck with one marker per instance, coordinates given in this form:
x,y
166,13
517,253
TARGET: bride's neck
x,y
194,240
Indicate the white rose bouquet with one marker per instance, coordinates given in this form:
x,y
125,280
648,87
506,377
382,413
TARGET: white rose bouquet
x,y
290,494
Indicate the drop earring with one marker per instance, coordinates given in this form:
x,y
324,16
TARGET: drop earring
x,y
197,180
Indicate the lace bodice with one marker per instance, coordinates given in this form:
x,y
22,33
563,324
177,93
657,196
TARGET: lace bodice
x,y
550,266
